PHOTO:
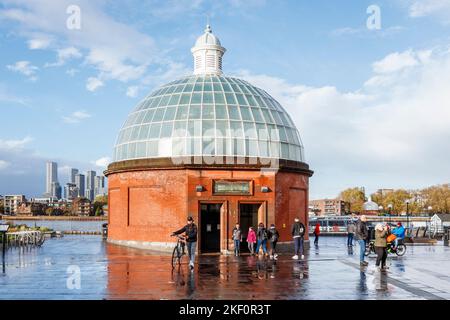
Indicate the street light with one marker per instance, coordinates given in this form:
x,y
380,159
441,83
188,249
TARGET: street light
x,y
407,216
390,211
380,209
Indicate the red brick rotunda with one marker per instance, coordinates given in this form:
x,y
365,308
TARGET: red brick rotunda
x,y
208,146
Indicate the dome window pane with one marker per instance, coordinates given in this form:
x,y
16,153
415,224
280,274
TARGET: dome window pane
x,y
251,148
284,151
241,100
164,101
274,150
132,150
182,112
185,98
245,113
143,134
221,146
236,129
222,128
140,117
198,87
188,88
178,147
149,116
179,129
251,100
217,87
257,115
250,130
179,89
208,128
135,133
260,102
152,148
207,97
195,112
207,87
276,117
230,98
170,90
221,112
226,87
263,148
234,113
124,151
267,116
196,98
170,113
141,150
274,132
166,130
219,98
282,133
174,100
195,128
208,111
159,114
244,89
155,128
209,147
156,102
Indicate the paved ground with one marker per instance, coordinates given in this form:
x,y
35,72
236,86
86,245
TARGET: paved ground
x,y
112,272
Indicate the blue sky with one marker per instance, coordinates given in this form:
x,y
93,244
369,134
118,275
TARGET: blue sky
x,y
371,105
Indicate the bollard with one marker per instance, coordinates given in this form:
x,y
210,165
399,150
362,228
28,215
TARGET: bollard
x,y
105,231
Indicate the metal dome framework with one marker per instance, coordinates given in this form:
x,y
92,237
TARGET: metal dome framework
x,y
209,115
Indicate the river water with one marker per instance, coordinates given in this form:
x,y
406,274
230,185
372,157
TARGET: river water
x,y
61,225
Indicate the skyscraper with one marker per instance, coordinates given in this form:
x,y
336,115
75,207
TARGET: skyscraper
x,y
70,191
52,176
73,172
56,190
99,188
79,181
90,181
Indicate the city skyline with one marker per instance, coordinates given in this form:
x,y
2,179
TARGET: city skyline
x,y
386,123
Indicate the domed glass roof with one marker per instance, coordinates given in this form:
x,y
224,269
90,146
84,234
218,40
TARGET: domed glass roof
x,y
369,205
208,115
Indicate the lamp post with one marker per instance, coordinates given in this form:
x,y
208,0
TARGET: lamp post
x,y
390,211
407,216
380,209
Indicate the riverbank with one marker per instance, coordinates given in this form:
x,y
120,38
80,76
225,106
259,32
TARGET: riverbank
x,y
53,218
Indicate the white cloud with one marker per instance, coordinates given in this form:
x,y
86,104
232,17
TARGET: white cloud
x,y
4,164
132,91
102,162
93,84
71,72
395,62
65,55
25,68
421,8
376,136
76,117
15,144
39,43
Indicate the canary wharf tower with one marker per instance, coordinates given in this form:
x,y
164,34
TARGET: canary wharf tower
x,y
208,146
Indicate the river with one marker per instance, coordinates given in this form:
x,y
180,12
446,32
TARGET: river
x,y
61,225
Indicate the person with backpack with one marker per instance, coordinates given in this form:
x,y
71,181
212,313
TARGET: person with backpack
x,y
251,240
273,236
298,232
237,238
261,237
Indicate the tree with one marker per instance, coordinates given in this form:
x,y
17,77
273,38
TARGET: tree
x,y
356,198
438,197
98,204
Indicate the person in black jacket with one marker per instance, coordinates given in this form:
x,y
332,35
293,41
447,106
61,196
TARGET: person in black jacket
x,y
298,232
362,235
273,236
261,238
190,231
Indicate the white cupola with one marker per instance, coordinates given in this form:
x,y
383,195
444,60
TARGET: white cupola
x,y
208,54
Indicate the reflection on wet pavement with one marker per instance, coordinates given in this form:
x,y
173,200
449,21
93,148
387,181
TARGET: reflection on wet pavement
x,y
330,271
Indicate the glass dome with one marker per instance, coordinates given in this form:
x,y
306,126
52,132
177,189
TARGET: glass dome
x,y
208,115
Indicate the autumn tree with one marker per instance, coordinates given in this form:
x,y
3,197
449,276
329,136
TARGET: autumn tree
x,y
438,197
356,198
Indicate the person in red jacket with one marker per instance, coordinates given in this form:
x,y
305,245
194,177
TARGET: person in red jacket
x,y
316,233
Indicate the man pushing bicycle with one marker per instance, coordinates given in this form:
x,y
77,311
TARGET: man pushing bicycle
x,y
190,231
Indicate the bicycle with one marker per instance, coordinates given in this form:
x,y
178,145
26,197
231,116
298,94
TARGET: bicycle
x,y
399,250
178,251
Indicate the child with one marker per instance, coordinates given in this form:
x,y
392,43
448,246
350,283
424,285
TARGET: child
x,y
251,240
273,239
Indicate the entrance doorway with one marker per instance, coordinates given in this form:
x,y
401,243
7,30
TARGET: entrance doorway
x,y
210,227
248,217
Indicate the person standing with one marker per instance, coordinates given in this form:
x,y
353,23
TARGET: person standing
x,y
381,233
191,239
261,237
316,234
298,232
273,236
350,233
362,233
251,240
237,238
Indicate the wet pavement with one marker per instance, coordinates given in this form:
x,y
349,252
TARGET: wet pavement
x,y
85,267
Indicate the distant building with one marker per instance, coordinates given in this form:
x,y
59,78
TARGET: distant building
x,y
439,221
81,207
56,190
370,207
99,186
70,191
52,176
90,185
89,194
384,192
80,183
323,207
12,202
73,173
31,209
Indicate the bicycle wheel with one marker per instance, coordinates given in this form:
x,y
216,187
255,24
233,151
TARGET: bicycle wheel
x,y
401,249
175,257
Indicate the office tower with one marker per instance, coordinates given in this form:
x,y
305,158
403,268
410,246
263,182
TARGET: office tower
x,y
90,181
73,172
52,176
56,190
80,183
99,187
